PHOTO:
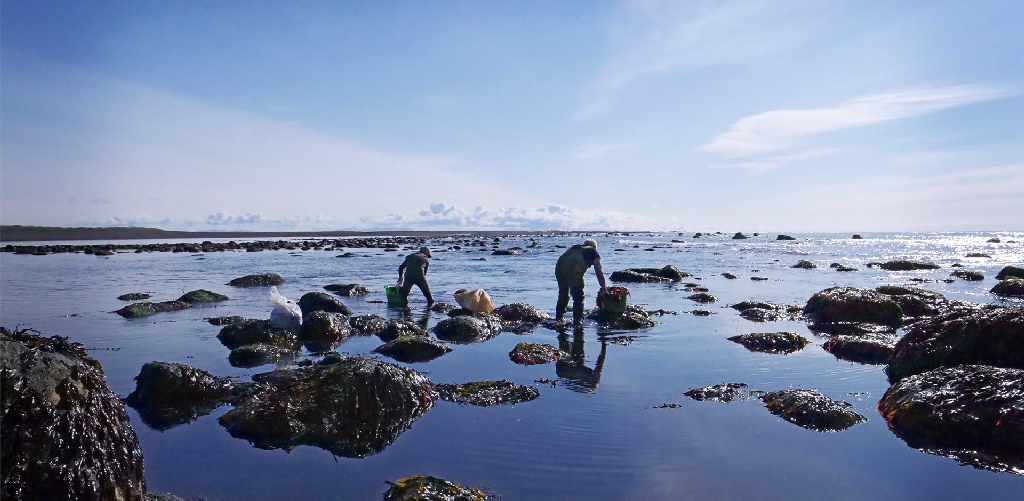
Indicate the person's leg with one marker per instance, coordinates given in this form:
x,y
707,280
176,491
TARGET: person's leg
x,y
425,289
577,303
563,300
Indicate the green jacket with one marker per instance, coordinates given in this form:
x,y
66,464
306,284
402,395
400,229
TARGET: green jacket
x,y
415,266
575,262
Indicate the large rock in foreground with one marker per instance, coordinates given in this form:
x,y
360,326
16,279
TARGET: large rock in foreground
x,y
812,410
466,329
168,394
973,413
428,488
964,334
350,406
915,302
65,434
259,280
850,304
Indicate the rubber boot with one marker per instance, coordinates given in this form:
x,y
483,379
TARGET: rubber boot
x,y
577,313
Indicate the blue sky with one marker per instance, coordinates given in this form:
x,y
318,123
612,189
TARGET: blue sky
x,y
689,116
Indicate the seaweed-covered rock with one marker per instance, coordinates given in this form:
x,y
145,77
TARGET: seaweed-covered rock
x,y
442,307
866,349
668,273
254,331
319,301
759,311
65,434
199,296
428,488
914,302
729,276
396,329
724,392
520,312
322,330
368,324
771,342
964,334
255,355
973,413
904,265
634,318
970,276
487,393
811,410
234,319
535,353
504,252
804,264
702,297
350,406
350,290
851,304
168,394
413,349
1007,272
784,237
1011,287
258,280
739,236
139,310
133,296
466,329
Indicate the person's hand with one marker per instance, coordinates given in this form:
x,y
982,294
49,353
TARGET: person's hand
x,y
399,283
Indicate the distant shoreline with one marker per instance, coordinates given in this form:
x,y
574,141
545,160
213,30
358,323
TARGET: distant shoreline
x,y
18,233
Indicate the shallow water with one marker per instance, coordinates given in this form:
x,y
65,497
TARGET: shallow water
x,y
590,435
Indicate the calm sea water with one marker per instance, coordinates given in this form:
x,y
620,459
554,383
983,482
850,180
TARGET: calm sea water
x,y
591,435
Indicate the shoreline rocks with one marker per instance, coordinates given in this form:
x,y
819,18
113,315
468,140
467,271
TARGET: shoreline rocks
x,y
467,329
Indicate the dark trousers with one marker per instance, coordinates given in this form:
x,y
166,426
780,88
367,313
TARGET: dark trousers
x,y
565,288
421,283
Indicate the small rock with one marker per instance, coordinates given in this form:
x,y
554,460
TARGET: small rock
x,y
904,265
487,393
739,236
350,290
466,329
804,264
868,349
784,237
139,310
428,488
771,342
167,394
254,331
201,296
235,319
259,280
724,392
413,349
759,279
701,313
811,410
396,329
978,254
442,307
1011,287
856,236
850,304
368,324
994,240
322,331
970,276
133,296
703,297
255,355
504,252
730,276
319,301
520,312
535,353
1007,272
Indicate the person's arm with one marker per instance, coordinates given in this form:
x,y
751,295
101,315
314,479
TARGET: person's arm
x,y
426,266
400,270
600,274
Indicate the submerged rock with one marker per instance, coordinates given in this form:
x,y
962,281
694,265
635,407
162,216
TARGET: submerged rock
x,y
259,280
428,488
350,406
168,394
970,276
866,349
702,297
915,302
535,353
811,410
347,289
199,296
851,304
65,434
724,392
319,301
759,311
1011,287
396,329
973,413
442,307
1007,272
904,265
771,342
964,334
466,329
133,296
520,312
669,273
368,324
804,264
139,310
255,355
487,393
413,349
255,331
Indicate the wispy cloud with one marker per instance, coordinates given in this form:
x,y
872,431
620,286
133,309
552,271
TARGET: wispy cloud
x,y
658,36
594,151
141,219
780,129
226,218
440,215
776,161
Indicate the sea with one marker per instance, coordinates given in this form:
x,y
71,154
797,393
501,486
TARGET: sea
x,y
602,431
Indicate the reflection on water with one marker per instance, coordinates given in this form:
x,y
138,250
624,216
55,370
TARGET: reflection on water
x,y
593,435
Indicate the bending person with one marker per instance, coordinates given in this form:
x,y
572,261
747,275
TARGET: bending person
x,y
569,271
415,267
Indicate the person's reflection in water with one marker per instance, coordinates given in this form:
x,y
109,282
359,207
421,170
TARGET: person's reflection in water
x,y
406,315
581,378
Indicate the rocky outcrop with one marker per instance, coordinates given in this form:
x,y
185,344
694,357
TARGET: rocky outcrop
x,y
724,392
319,301
915,302
1010,287
168,394
964,334
413,349
904,265
487,393
65,434
428,488
350,406
259,280
234,319
442,307
1006,272
139,310
973,413
535,353
771,342
850,304
466,329
811,410
739,236
350,290
200,296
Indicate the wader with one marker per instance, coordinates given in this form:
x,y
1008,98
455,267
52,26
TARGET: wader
x,y
569,271
416,274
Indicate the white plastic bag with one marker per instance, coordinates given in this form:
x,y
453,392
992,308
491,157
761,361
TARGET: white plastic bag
x,y
475,300
286,313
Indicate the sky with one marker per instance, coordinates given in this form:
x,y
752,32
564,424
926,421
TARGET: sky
x,y
575,115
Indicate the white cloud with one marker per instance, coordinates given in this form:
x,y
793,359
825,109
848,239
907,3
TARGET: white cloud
x,y
547,217
780,129
225,218
134,220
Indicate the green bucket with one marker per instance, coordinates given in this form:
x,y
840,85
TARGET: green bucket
x,y
612,303
395,296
